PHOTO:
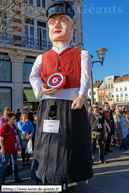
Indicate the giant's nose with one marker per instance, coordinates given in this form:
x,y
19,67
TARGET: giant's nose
x,y
58,24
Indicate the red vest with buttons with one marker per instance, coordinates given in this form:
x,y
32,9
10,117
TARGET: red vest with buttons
x,y
68,62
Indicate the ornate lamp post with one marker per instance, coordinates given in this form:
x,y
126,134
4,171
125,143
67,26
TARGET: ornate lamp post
x,y
101,54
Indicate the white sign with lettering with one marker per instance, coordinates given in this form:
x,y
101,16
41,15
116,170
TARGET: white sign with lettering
x,y
51,126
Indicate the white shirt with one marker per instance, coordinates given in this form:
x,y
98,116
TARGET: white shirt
x,y
67,94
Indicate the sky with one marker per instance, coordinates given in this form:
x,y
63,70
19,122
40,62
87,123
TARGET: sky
x,y
106,25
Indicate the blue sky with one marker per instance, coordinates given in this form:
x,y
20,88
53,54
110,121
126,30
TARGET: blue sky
x,y
106,25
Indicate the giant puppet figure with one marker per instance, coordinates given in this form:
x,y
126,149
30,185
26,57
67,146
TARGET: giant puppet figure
x,y
62,149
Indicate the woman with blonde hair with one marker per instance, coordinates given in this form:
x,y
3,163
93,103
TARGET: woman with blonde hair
x,y
26,131
117,127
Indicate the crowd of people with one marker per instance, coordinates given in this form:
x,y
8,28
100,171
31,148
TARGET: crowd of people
x,y
109,126
17,132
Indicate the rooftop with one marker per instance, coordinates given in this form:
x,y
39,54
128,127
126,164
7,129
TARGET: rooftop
x,y
97,84
122,78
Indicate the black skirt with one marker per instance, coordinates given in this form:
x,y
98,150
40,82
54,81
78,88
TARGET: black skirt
x,y
64,157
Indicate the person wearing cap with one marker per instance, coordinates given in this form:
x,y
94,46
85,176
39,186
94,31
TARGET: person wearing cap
x,y
62,148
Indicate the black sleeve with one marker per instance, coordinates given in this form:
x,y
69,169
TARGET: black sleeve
x,y
103,118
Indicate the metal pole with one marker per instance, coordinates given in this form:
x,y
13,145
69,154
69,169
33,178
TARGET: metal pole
x,y
91,86
91,81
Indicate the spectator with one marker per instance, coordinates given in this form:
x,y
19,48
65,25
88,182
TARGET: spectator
x,y
9,146
117,127
109,119
89,109
117,107
126,108
35,117
26,131
101,111
18,114
30,115
128,123
3,119
127,113
125,126
112,111
98,127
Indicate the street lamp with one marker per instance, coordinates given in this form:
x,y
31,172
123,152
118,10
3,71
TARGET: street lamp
x,y
101,54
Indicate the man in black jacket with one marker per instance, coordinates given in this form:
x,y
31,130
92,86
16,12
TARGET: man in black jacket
x,y
109,126
98,127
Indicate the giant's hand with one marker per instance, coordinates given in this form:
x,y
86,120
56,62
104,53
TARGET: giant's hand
x,y
48,91
78,102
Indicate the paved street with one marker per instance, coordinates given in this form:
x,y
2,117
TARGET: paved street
x,y
112,177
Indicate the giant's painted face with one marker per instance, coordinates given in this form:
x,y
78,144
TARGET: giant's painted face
x,y
60,28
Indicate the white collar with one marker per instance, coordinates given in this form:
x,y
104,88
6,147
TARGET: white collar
x,y
58,51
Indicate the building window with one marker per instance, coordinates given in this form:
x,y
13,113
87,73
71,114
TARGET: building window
x,y
111,85
121,89
5,68
117,98
29,2
117,90
109,95
101,98
27,66
41,35
121,97
125,88
126,97
29,32
5,98
99,91
102,91
41,3
108,86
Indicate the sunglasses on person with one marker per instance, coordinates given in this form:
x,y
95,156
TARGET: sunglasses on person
x,y
95,107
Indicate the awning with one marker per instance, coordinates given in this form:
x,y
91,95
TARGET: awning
x,y
29,94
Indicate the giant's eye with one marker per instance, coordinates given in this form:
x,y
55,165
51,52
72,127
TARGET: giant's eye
x,y
63,20
51,22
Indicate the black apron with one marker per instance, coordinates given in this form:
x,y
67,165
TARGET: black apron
x,y
64,157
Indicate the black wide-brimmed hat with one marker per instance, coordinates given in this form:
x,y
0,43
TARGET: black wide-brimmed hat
x,y
60,7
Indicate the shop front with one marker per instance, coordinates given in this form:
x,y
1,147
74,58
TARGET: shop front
x,y
29,100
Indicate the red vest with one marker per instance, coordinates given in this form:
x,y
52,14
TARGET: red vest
x,y
68,62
